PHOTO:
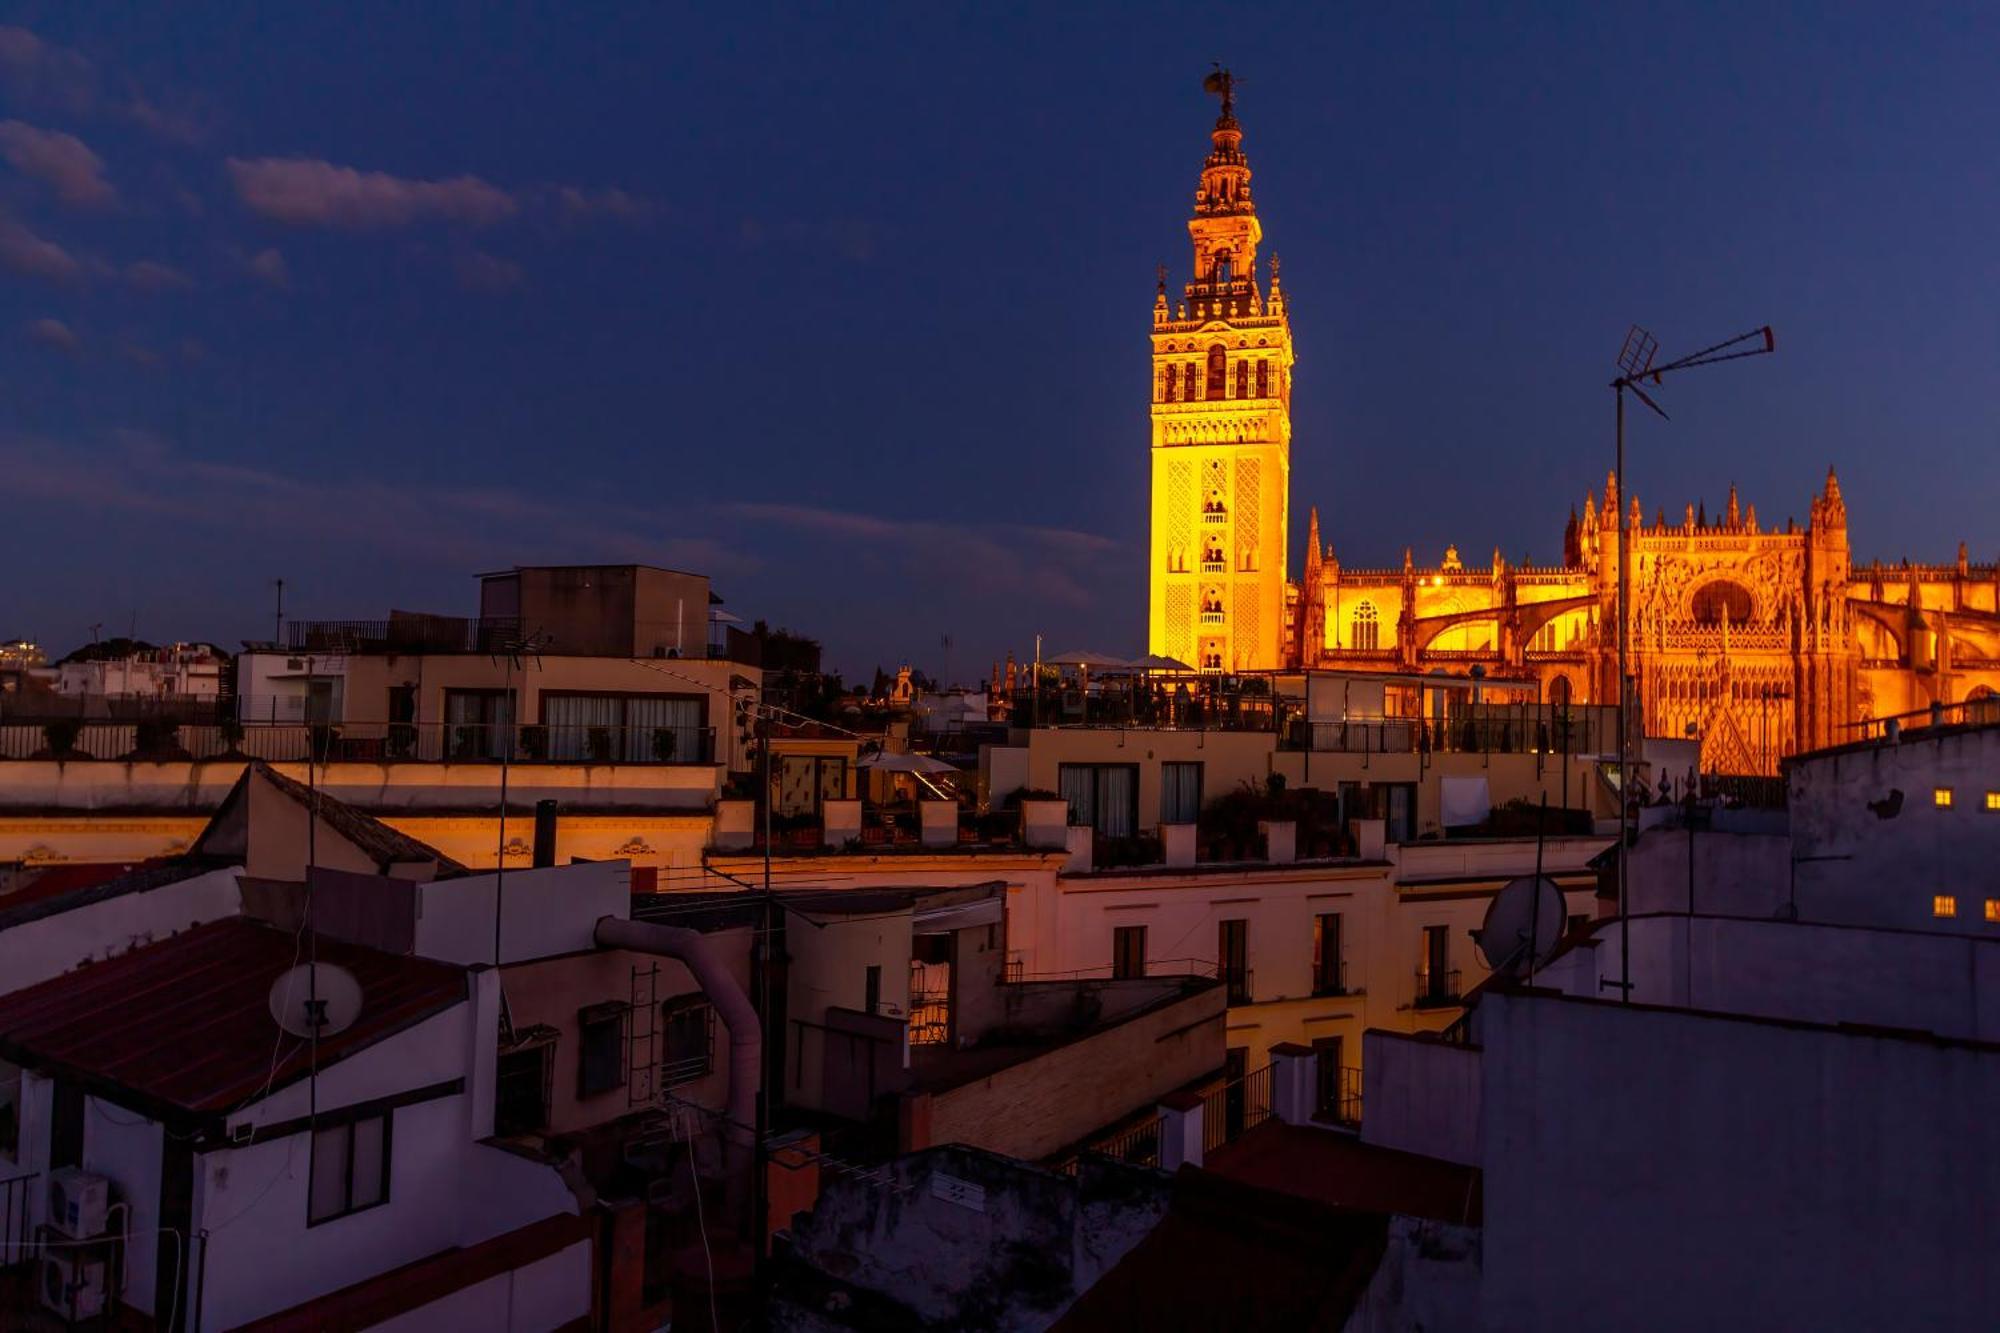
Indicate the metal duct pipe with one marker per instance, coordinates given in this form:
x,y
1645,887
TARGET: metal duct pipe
x,y
545,834
746,1035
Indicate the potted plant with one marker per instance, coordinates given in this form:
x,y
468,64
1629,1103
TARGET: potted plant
x,y
664,741
61,737
535,741
597,741
157,738
230,728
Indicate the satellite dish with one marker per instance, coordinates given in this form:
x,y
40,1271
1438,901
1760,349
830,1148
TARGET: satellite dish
x,y
306,1005
1523,923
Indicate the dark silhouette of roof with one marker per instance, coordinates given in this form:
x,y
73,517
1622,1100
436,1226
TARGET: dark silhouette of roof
x,y
182,1029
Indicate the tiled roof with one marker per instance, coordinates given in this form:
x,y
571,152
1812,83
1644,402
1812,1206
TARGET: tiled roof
x,y
382,844
184,1026
1337,1169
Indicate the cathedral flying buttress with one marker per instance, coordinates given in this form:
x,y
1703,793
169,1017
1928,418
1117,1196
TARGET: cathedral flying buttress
x,y
1762,641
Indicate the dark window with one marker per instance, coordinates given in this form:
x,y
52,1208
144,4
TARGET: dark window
x,y
1434,981
1128,952
1232,952
1263,379
1337,1089
688,1026
1329,968
1104,797
479,724
521,1088
1180,793
1167,386
1218,371
624,728
1188,373
601,1049
350,1168
871,1001
1242,379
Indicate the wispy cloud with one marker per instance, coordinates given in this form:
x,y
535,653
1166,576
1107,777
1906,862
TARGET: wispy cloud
x,y
308,192
44,74
481,272
54,333
31,256
268,266
151,276
989,559
60,161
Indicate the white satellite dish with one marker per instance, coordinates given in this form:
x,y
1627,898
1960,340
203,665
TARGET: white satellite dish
x,y
315,999
1523,923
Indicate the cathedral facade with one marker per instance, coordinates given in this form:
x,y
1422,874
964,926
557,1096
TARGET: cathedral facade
x,y
1762,640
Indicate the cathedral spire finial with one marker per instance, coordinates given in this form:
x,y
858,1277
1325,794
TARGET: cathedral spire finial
x,y
1221,83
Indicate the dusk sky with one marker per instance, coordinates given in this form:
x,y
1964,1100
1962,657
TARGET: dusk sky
x,y
847,307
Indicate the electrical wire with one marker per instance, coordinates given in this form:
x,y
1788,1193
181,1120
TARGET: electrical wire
x,y
701,1222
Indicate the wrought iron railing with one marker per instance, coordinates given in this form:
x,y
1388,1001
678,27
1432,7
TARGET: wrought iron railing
x,y
365,742
404,634
1340,1096
1138,1145
1240,981
1436,988
1331,979
1235,1108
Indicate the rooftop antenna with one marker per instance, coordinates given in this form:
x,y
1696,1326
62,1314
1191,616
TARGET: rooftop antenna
x,y
513,652
278,625
1636,363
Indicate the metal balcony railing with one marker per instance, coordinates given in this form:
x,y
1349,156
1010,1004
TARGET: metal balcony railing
x,y
370,742
403,634
1436,989
1235,1108
1331,979
1239,982
1339,1096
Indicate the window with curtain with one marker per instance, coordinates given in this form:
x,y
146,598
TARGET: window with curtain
x,y
1180,793
624,728
478,723
1104,797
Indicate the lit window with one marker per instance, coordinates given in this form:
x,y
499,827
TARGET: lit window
x,y
1993,800
1944,904
1941,798
1993,909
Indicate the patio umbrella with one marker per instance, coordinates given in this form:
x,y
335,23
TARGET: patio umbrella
x,y
1160,662
904,763
1085,659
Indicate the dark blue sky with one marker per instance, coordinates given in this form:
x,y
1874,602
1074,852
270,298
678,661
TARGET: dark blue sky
x,y
848,306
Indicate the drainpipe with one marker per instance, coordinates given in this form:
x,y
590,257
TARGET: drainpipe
x,y
746,1041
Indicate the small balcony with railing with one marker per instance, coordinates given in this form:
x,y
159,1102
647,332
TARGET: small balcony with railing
x,y
1437,988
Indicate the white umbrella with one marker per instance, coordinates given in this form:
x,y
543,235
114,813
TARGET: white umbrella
x,y
1085,660
904,763
1161,662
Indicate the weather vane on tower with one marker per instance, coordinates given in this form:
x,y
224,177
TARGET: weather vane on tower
x,y
1221,83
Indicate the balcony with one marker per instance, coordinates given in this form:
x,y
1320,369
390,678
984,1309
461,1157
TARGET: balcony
x,y
1437,990
365,742
1215,566
1332,980
1338,1099
1239,983
1211,617
403,634
1215,518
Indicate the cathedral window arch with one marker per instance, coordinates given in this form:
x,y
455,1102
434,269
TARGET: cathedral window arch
x,y
1167,385
1218,371
1365,629
1220,270
1263,377
1713,600
1242,379
1188,374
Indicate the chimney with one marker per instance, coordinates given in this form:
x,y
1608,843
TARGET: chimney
x,y
545,834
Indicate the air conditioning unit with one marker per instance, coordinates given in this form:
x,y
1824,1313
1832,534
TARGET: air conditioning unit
x,y
73,1286
78,1202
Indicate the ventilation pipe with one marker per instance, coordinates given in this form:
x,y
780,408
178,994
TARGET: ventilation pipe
x,y
746,1041
545,834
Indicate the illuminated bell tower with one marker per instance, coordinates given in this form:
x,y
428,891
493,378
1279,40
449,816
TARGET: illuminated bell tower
x,y
1222,433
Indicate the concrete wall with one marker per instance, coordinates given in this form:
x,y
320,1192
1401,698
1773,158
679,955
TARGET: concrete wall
x,y
1008,1254
552,991
1031,1109
1652,1169
1422,1096
829,970
553,910
34,951
546,1294
1895,865
126,1148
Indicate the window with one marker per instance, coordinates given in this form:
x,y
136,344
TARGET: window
x,y
601,1048
1180,793
1945,904
1242,379
871,994
803,782
478,724
1993,909
1435,982
1941,797
1327,1068
624,728
1128,952
1232,954
1263,379
350,1168
1993,800
1365,630
1723,598
1167,385
1218,371
521,1085
1104,797
1329,968
688,1023
1188,373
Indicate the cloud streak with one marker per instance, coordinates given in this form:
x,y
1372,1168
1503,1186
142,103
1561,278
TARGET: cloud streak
x,y
54,333
62,162
308,192
30,256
